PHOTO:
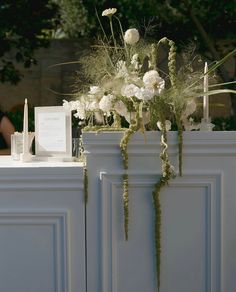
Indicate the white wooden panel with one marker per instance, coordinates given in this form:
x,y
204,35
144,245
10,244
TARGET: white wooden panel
x,y
191,256
33,250
42,228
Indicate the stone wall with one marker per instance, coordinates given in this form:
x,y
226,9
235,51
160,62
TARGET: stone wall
x,y
44,85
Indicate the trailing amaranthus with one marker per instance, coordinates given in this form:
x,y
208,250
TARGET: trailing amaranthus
x,y
167,174
134,126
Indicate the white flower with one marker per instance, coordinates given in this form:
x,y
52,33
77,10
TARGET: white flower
x,y
122,69
129,90
66,104
190,108
131,36
81,114
109,12
106,103
93,106
152,80
71,105
144,93
94,90
135,61
167,125
120,108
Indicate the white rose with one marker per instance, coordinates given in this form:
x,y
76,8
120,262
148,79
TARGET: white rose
x,y
129,90
152,80
106,103
109,12
144,93
167,125
131,36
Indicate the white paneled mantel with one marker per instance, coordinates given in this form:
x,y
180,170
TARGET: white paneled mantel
x,y
51,242
198,213
42,227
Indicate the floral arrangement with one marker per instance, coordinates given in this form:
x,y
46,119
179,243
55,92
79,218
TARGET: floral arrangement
x,y
127,88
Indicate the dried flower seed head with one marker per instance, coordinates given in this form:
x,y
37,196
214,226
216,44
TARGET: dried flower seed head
x,y
109,12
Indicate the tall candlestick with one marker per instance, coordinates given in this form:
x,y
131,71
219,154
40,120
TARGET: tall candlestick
x,y
205,97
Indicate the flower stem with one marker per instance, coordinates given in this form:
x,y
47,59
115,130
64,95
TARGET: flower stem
x,y
112,33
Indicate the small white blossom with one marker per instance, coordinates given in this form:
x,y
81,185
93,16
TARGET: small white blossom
x,y
81,114
109,12
135,62
131,36
152,80
94,90
167,125
129,90
122,69
71,105
106,103
144,94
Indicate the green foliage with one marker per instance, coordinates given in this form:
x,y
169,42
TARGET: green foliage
x,y
73,18
24,27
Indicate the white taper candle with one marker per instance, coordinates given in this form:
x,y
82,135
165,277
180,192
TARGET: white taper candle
x,y
25,129
205,97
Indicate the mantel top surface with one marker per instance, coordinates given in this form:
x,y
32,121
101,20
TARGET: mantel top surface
x,y
7,162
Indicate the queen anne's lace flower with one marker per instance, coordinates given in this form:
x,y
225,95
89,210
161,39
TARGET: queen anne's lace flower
x,y
152,80
130,90
109,12
131,36
106,103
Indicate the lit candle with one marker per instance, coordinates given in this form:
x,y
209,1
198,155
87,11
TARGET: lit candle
x,y
205,97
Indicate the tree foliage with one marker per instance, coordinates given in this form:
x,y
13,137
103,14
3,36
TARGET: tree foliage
x,y
24,27
170,18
